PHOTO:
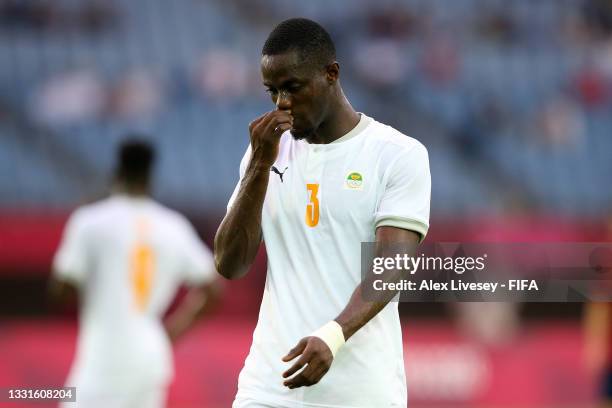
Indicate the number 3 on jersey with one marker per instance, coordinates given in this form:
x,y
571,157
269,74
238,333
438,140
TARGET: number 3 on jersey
x,y
312,208
142,274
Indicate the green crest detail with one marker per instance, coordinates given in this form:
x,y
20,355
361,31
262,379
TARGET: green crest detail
x,y
354,180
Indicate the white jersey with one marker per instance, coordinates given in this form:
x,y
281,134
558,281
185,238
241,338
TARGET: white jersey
x,y
329,199
128,256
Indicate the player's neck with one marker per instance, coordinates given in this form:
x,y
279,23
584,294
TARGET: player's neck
x,y
342,120
132,190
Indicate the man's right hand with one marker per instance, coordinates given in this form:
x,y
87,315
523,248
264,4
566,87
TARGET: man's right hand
x,y
265,133
239,235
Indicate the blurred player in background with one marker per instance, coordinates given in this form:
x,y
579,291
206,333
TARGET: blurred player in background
x,y
317,180
126,256
597,346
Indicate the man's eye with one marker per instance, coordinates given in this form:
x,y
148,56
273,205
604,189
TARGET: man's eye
x,y
271,91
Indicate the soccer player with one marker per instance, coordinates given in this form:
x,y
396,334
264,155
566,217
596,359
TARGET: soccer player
x,y
126,256
598,346
317,180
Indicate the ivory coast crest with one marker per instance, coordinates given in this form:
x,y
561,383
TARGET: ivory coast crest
x,y
354,181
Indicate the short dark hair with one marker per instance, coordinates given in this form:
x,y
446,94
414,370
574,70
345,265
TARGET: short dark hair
x,y
136,158
308,38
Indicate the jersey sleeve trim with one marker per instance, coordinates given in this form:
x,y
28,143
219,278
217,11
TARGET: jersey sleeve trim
x,y
404,223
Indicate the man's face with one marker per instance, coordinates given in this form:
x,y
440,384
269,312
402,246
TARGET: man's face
x,y
302,88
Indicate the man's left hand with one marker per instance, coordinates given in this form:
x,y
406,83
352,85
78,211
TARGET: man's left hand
x,y
315,355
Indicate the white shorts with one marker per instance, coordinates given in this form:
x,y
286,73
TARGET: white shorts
x,y
153,397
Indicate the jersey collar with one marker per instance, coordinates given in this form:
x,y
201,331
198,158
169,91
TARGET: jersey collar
x,y
363,123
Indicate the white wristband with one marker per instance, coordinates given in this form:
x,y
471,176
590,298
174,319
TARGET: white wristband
x,y
331,334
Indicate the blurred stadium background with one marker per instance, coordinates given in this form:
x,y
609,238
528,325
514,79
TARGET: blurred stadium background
x,y
512,99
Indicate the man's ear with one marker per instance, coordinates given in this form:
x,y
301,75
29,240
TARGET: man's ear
x,y
332,72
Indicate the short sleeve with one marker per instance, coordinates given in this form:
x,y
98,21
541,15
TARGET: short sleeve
x,y
70,261
243,165
406,199
198,264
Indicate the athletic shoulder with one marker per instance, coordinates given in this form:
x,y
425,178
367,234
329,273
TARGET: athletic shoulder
x,y
92,213
395,140
171,217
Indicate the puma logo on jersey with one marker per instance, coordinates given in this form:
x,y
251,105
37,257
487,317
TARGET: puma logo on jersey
x,y
275,170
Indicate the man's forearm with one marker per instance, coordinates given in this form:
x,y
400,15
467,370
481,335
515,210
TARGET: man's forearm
x,y
366,302
61,292
359,311
239,235
196,304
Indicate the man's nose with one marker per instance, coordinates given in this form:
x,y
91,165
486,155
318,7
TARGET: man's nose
x,y
283,101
